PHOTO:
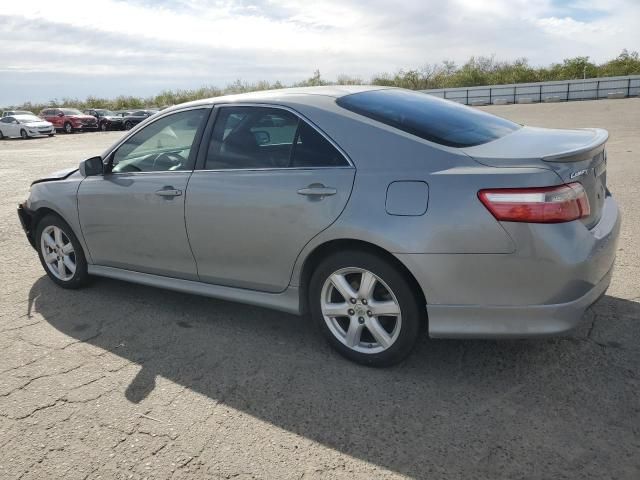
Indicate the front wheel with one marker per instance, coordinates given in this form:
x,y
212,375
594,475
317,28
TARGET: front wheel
x,y
128,125
103,126
60,253
68,128
24,134
366,307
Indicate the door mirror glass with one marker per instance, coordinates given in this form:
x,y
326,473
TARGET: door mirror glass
x,y
92,167
60,114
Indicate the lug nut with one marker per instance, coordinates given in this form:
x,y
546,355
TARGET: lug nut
x,y
369,313
360,320
353,300
351,311
364,301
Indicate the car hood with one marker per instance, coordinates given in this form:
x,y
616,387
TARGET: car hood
x,y
59,175
112,117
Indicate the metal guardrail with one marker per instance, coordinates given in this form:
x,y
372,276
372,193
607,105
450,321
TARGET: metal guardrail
x,y
558,91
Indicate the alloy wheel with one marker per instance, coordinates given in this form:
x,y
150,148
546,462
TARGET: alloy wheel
x,y
58,253
360,310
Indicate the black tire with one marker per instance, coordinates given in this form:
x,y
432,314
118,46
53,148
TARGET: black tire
x,y
23,134
413,312
1,135
127,125
51,134
81,277
104,127
68,128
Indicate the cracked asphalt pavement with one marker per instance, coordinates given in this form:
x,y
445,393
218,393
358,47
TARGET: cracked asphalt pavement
x,y
119,381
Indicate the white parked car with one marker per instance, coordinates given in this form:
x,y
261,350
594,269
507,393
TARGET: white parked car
x,y
11,113
25,126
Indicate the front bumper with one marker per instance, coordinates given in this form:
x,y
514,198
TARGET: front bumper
x,y
25,215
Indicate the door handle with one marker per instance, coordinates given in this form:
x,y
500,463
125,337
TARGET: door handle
x,y
317,190
169,192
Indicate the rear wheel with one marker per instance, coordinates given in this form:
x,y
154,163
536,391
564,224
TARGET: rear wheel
x,y
24,134
60,253
366,307
103,126
128,125
68,128
1,135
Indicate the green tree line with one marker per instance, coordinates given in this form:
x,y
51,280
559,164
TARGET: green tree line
x,y
476,71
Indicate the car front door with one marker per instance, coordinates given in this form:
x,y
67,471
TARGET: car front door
x,y
55,117
267,182
132,217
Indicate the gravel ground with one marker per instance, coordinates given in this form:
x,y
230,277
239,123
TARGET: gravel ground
x,y
123,381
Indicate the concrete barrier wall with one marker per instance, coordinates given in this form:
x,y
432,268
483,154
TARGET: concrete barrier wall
x,y
558,91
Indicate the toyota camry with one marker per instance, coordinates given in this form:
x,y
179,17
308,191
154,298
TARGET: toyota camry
x,y
380,213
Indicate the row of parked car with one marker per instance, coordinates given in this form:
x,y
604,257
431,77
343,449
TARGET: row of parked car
x,y
25,124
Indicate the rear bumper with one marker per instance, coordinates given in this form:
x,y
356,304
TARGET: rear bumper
x,y
543,288
482,321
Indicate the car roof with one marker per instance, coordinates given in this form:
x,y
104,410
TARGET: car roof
x,y
301,94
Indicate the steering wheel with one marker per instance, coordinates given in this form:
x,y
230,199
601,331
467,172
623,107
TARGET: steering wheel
x,y
169,157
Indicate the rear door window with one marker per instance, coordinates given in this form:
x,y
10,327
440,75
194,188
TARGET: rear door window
x,y
264,138
428,117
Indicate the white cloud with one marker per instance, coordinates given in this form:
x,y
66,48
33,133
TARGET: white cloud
x,y
76,48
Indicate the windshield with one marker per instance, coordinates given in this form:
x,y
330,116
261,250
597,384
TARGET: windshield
x,y
70,111
27,118
107,113
428,117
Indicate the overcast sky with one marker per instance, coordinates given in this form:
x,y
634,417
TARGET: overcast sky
x,y
53,49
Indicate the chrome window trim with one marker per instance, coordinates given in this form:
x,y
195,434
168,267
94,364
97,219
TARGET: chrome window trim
x,y
269,169
300,117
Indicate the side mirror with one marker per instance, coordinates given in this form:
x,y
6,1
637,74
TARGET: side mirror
x,y
61,114
91,167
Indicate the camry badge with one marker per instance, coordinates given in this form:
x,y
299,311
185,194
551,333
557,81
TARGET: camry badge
x,y
578,173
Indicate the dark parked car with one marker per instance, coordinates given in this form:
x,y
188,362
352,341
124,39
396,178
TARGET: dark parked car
x,y
136,117
107,120
69,119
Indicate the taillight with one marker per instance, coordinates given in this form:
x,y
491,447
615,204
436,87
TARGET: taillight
x,y
563,203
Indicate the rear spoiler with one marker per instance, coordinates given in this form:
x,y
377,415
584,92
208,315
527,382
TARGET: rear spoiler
x,y
585,152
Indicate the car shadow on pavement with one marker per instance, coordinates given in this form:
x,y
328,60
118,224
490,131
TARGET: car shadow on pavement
x,y
485,408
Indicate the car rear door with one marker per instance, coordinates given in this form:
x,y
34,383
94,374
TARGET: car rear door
x,y
133,217
267,182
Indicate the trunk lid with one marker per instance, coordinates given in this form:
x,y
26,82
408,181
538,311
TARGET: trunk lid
x,y
574,155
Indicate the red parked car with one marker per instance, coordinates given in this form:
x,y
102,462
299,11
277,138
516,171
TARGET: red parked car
x,y
69,119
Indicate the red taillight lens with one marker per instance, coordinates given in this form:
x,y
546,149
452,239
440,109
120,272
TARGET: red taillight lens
x,y
563,203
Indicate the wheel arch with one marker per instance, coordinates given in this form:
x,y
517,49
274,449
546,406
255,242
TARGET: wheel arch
x,y
39,213
325,249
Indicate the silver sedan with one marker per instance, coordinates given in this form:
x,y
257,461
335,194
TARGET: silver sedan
x,y
379,212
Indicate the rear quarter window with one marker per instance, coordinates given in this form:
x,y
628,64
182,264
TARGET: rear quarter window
x,y
428,117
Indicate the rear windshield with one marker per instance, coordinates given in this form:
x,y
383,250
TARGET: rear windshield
x,y
428,117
